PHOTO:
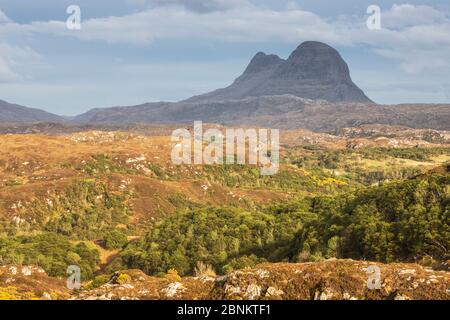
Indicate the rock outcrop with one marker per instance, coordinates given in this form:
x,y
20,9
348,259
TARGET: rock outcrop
x,y
30,283
332,279
327,280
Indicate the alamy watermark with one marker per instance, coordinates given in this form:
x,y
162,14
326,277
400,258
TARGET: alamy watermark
x,y
73,22
242,146
374,279
74,279
374,20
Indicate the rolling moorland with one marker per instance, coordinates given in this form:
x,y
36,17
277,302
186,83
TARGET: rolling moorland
x,y
140,227
360,185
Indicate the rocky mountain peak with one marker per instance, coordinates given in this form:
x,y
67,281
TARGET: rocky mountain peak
x,y
314,60
261,62
314,70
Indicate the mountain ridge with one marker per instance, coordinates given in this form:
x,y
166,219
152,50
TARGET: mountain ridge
x,y
311,89
283,112
15,113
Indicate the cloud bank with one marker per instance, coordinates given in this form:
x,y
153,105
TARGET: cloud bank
x,y
417,37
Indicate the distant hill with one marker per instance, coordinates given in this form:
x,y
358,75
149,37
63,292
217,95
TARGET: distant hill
x,y
13,113
311,89
284,112
313,71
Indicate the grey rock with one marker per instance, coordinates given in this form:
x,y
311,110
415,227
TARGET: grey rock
x,y
314,71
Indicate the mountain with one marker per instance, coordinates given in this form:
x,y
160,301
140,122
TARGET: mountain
x,y
313,71
311,89
283,112
13,113
270,87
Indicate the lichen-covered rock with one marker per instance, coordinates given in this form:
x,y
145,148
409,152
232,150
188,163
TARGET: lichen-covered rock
x,y
273,293
173,289
30,283
326,280
135,285
334,279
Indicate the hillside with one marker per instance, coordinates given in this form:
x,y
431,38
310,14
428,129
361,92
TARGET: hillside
x,y
284,112
13,113
329,280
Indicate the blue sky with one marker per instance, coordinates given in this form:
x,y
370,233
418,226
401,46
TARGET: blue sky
x,y
134,51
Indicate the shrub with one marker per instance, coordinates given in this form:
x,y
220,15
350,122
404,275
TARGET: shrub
x,y
214,236
172,275
401,221
202,269
122,278
53,252
98,281
115,239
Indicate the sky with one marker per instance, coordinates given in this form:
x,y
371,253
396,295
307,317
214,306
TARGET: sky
x,y
129,52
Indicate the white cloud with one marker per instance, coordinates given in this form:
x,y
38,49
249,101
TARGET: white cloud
x,y
6,74
407,15
418,37
419,60
14,61
240,24
292,5
18,53
3,17
201,5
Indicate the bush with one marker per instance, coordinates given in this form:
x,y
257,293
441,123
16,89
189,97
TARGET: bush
x,y
242,262
123,278
402,221
115,239
98,281
202,269
53,252
84,210
172,275
214,236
